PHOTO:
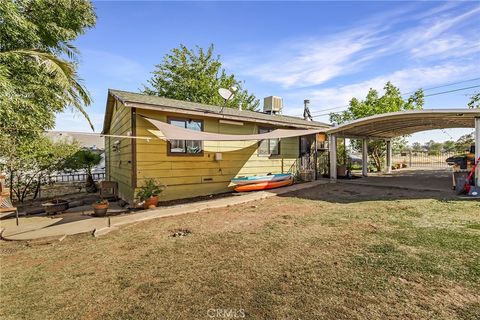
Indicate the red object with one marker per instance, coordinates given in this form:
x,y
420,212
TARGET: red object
x,y
467,185
264,185
151,202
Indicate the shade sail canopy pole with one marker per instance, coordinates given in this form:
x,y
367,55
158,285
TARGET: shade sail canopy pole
x,y
171,132
332,143
365,157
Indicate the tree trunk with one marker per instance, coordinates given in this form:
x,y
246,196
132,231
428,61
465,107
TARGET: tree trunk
x,y
90,185
11,184
37,188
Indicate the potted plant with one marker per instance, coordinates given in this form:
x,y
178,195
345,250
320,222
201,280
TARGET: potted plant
x,y
100,208
148,194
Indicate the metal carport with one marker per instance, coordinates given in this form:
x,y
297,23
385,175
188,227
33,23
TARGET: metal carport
x,y
389,125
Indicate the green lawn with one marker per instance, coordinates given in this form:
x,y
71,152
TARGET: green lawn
x,y
333,252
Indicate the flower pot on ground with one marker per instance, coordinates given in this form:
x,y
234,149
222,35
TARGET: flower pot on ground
x,y
148,194
55,206
100,208
151,202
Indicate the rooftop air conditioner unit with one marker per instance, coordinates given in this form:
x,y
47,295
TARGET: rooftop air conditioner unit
x,y
272,105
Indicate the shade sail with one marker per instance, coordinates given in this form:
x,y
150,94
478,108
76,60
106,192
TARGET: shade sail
x,y
171,132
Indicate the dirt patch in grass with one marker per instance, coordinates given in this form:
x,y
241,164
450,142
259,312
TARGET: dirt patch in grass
x,y
319,253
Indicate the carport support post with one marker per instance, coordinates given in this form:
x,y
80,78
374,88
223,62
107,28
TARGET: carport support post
x,y
477,150
388,168
364,157
332,143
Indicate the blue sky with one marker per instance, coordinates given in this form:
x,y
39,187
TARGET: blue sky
x,y
327,52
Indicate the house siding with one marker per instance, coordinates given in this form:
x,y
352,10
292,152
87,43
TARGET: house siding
x,y
192,175
119,163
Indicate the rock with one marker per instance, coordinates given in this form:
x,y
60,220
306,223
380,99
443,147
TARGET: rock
x,y
103,231
34,210
75,203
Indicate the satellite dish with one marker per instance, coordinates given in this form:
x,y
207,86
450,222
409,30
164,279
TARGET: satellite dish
x,y
225,93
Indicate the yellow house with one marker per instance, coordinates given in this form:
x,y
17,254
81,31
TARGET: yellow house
x,y
194,168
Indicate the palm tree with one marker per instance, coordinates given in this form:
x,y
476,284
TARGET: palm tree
x,y
63,72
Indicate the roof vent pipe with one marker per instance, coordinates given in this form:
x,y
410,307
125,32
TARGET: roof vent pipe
x,y
306,111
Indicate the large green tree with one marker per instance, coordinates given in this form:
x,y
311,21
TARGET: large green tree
x,y
38,78
38,63
390,101
196,75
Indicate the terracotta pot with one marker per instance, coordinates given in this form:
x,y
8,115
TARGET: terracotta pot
x,y
152,201
100,209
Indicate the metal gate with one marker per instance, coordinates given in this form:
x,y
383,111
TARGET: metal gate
x,y
421,159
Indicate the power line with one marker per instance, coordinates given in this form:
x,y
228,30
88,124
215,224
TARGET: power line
x,y
428,95
101,135
455,90
444,85
407,93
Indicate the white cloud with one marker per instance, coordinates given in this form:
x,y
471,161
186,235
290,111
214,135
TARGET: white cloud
x,y
408,79
305,62
310,61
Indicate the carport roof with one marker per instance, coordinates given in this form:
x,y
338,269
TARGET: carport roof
x,y
389,125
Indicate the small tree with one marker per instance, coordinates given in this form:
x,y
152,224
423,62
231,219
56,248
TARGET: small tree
x,y
474,102
434,148
85,160
448,146
391,101
186,74
417,147
463,143
32,164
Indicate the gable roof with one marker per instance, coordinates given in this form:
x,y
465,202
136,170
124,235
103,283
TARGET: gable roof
x,y
143,101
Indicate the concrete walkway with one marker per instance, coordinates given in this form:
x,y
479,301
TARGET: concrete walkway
x,y
420,179
32,227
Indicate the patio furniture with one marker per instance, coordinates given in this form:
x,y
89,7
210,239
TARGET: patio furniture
x,y
109,190
5,205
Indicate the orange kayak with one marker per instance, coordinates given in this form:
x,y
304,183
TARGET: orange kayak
x,y
263,185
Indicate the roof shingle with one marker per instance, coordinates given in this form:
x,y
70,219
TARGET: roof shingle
x,y
143,99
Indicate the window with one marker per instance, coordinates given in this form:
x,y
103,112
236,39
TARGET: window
x,y
269,146
306,144
178,147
